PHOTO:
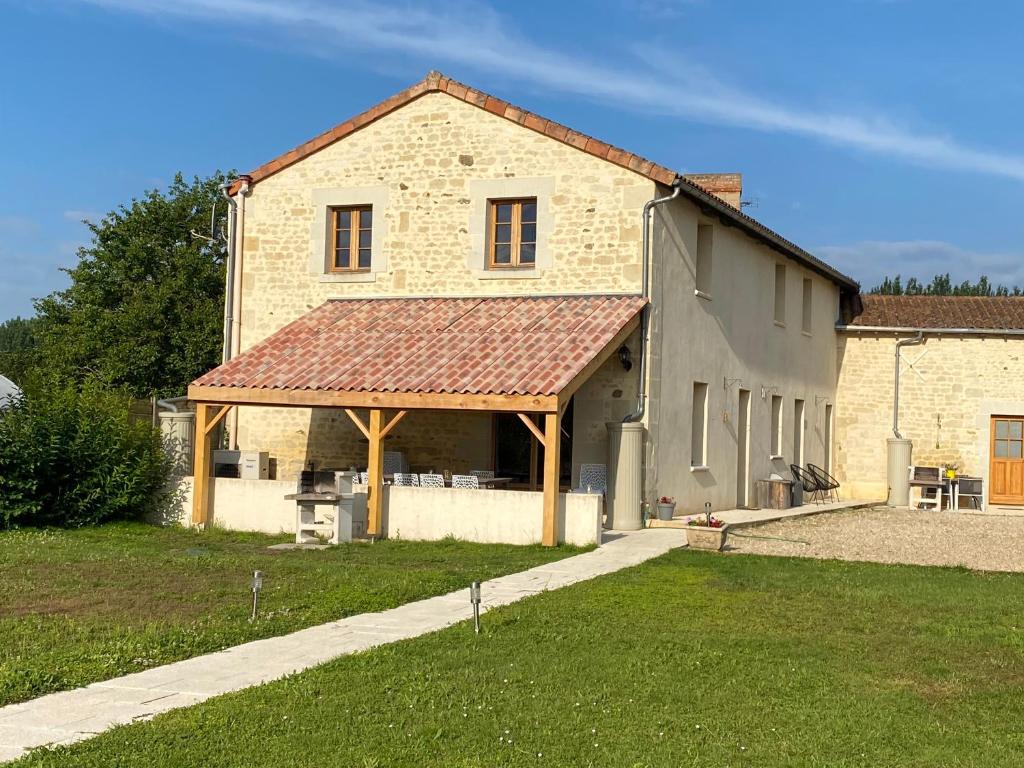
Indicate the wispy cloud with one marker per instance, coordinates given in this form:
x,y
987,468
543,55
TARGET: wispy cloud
x,y
80,215
477,37
872,260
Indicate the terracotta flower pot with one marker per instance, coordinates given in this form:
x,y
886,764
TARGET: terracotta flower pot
x,y
666,511
702,537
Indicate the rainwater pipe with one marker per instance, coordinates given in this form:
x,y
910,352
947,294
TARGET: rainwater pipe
x,y
896,384
645,313
171,403
229,288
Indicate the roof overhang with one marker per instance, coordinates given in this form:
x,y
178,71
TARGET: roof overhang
x,y
518,354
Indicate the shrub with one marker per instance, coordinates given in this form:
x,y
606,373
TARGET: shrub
x,y
71,457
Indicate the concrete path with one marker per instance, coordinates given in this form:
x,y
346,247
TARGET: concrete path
x,y
64,718
739,518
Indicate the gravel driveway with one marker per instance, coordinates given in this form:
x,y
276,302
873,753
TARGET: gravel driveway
x,y
886,535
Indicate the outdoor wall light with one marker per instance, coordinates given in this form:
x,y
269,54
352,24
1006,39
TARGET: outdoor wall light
x,y
257,585
625,357
474,598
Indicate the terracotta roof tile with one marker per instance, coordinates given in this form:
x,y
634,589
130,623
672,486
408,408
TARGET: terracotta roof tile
x,y
511,345
942,312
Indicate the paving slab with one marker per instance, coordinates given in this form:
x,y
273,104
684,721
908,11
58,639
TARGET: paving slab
x,y
71,716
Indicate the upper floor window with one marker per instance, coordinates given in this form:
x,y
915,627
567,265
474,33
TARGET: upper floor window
x,y
780,294
352,228
808,316
705,245
512,233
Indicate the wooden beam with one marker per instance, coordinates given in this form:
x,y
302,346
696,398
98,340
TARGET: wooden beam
x,y
591,368
534,450
528,421
552,449
201,468
306,398
358,422
375,470
392,424
212,423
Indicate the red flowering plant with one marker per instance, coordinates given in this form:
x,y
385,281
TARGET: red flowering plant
x,y
706,521
666,500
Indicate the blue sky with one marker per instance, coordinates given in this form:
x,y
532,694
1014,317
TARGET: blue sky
x,y
883,135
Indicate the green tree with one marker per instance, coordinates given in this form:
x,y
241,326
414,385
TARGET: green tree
x,y
942,285
144,311
19,347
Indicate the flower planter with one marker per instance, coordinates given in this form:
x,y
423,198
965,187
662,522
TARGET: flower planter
x,y
666,511
702,537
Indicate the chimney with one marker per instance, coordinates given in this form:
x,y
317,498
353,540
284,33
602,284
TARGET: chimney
x,y
724,186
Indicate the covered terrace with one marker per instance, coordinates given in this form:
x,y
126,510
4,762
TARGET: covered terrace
x,y
387,357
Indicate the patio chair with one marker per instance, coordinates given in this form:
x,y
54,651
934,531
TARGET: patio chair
x,y
407,479
928,479
483,474
465,481
971,489
428,480
395,461
594,476
827,483
808,482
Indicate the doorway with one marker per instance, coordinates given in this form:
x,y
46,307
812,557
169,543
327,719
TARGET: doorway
x,y
518,455
743,449
1006,460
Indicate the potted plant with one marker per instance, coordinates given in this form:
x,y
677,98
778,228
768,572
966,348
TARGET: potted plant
x,y
666,508
706,532
951,469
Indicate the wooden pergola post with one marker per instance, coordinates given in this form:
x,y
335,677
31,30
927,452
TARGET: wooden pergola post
x,y
375,470
201,462
552,464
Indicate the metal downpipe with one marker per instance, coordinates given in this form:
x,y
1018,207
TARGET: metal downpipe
x,y
896,382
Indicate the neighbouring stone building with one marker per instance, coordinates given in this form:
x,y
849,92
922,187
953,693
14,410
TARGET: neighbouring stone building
x,y
958,386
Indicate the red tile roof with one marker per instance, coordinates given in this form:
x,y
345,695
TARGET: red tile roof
x,y
507,346
700,193
941,312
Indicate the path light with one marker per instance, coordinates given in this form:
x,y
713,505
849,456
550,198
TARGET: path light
x,y
707,512
257,585
474,598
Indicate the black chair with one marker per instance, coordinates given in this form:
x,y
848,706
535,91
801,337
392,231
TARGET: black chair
x,y
827,483
808,481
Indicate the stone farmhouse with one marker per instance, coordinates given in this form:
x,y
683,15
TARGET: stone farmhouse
x,y
456,279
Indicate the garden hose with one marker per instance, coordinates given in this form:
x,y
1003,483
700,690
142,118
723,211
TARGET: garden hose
x,y
770,538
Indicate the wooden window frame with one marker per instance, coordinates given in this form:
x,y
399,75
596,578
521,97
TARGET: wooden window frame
x,y
515,246
356,212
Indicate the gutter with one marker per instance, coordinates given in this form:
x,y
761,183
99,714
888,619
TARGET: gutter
x,y
919,339
645,313
229,287
936,331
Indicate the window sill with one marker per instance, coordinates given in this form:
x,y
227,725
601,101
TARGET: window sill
x,y
776,457
508,274
780,324
354,277
700,468
701,295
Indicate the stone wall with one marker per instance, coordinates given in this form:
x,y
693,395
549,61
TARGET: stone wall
x,y
950,386
434,162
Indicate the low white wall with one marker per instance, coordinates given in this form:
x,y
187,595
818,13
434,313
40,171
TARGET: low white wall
x,y
491,516
429,514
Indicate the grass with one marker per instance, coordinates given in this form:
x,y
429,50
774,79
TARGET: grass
x,y
691,659
87,605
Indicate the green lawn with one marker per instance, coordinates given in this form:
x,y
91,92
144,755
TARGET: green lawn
x,y
91,604
692,659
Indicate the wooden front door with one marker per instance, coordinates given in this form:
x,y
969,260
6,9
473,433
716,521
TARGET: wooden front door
x,y
1006,476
